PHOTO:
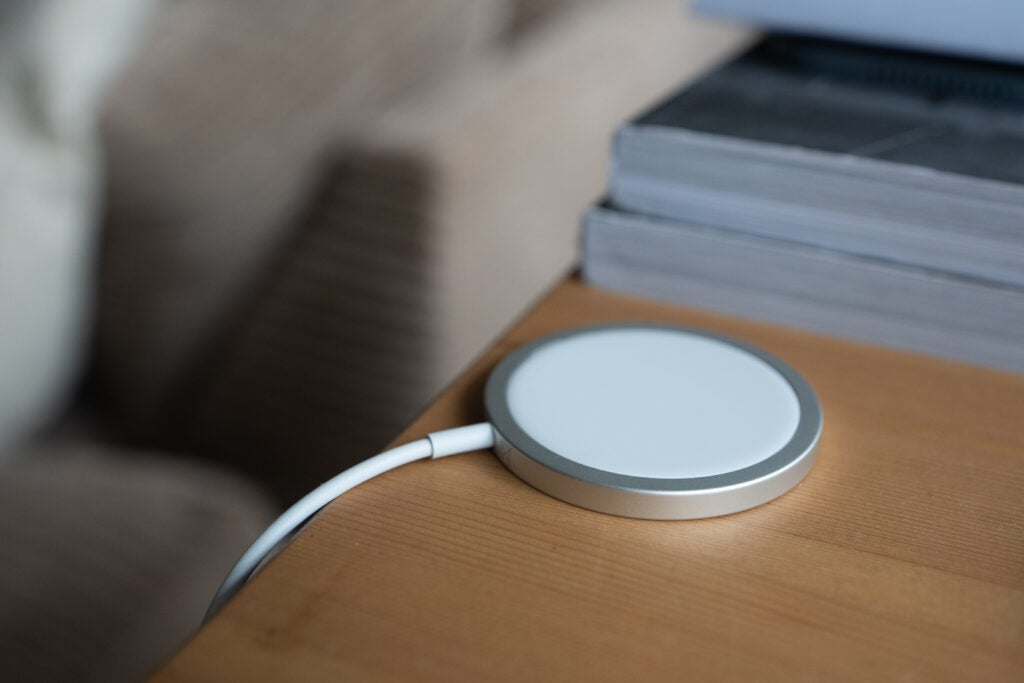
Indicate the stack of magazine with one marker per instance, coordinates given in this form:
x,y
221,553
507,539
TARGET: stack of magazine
x,y
868,192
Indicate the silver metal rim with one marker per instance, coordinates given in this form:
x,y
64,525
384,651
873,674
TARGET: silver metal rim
x,y
644,497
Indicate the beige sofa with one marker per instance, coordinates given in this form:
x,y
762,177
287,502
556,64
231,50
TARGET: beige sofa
x,y
316,214
327,231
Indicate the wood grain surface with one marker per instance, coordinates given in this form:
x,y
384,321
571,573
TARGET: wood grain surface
x,y
900,557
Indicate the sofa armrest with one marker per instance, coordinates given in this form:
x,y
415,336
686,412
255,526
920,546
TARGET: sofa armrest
x,y
214,137
110,558
432,233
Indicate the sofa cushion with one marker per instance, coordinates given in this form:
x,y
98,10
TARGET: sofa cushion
x,y
109,559
518,147
56,58
528,15
213,137
435,233
337,353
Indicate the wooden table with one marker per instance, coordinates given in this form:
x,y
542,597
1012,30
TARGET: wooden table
x,y
900,557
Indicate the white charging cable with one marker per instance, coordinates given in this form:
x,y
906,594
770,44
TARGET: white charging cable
x,y
437,445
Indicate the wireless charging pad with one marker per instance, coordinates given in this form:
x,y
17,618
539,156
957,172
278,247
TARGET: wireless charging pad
x,y
653,421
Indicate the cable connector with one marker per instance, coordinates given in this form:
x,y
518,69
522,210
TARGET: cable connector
x,y
461,440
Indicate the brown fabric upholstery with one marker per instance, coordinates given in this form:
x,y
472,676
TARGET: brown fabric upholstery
x,y
430,238
517,148
337,354
213,136
527,15
108,560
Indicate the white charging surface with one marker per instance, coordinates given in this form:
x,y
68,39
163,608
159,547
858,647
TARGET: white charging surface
x,y
653,403
653,421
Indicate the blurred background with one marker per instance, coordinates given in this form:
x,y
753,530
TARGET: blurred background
x,y
243,243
